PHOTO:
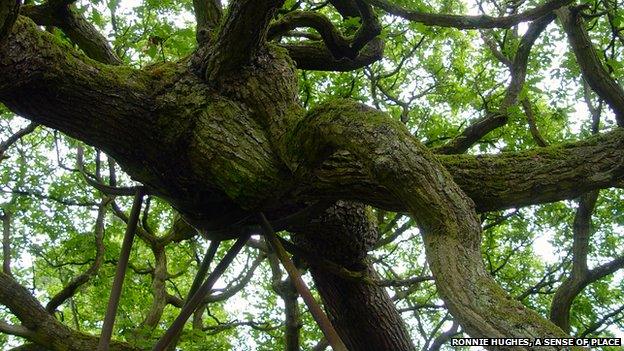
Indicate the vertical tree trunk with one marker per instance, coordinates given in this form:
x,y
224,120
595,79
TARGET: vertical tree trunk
x,y
361,312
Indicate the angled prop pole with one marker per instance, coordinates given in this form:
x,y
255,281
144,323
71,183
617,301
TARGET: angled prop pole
x,y
122,264
199,278
201,293
317,313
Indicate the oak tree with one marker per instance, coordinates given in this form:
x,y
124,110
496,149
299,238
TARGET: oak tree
x,y
347,124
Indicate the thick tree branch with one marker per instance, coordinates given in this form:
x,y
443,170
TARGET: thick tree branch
x,y
594,72
17,330
368,319
109,107
315,56
451,231
43,329
493,182
468,22
34,64
8,14
208,14
81,32
150,147
242,36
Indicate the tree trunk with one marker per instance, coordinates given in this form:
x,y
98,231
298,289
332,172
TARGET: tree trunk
x,y
219,151
362,313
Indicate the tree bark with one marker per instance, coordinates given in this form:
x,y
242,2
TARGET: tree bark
x,y
46,331
220,152
362,313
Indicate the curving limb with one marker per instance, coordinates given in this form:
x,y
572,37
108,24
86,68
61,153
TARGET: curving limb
x,y
346,53
40,327
451,229
518,69
317,57
80,31
337,44
594,72
493,182
468,22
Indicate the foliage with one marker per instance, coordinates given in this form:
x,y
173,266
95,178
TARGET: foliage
x,y
436,80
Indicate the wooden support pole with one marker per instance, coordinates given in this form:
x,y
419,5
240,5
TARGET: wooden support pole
x,y
200,295
317,313
120,273
199,278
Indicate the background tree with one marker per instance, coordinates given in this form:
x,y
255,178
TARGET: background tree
x,y
478,195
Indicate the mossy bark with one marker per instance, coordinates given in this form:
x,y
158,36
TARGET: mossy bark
x,y
220,150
